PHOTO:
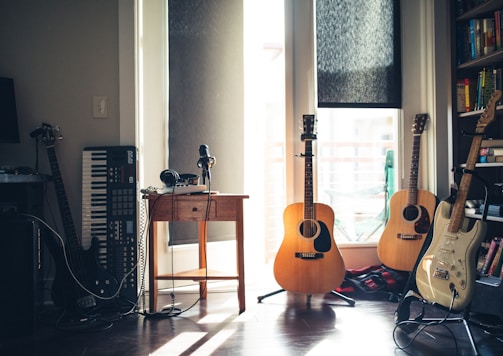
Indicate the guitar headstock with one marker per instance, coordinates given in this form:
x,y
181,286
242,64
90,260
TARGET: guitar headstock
x,y
49,134
309,123
488,115
419,124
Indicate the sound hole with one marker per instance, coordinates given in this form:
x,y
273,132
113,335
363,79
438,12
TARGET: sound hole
x,y
411,213
308,228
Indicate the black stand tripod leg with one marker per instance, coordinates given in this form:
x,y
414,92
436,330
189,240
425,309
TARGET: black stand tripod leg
x,y
260,298
347,299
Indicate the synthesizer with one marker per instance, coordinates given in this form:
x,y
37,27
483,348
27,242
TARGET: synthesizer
x,y
109,211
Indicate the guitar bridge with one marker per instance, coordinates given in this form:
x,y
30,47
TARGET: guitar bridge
x,y
409,236
308,255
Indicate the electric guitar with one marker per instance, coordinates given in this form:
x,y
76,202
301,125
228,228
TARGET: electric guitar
x,y
308,260
81,283
411,213
446,273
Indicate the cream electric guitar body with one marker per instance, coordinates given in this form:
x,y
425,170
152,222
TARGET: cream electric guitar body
x,y
446,273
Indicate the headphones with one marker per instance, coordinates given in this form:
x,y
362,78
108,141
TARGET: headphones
x,y
171,178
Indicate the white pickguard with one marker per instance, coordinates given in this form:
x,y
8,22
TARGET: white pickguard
x,y
449,262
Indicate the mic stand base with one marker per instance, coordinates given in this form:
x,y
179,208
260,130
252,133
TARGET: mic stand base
x,y
347,299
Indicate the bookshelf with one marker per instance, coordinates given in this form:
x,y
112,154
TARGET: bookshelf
x,y
471,63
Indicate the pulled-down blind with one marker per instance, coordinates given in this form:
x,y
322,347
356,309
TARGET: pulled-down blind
x,y
358,53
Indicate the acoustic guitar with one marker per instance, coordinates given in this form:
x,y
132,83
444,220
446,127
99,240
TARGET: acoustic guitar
x,y
446,273
308,260
81,283
411,214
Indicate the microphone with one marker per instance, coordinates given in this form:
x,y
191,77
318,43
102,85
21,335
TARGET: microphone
x,y
205,160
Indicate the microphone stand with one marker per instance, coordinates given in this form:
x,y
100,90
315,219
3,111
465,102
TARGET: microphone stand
x,y
205,163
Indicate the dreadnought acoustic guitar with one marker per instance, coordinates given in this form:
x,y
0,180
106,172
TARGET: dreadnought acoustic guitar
x,y
308,260
411,214
446,273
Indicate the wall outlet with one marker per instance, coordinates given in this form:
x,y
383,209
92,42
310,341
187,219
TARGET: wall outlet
x,y
100,107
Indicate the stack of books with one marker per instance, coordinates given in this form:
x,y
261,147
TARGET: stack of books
x,y
491,151
473,93
492,260
479,37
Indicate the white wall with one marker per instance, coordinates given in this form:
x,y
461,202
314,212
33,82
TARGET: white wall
x,y
61,54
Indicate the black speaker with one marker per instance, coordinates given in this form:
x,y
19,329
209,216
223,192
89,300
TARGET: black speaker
x,y
19,276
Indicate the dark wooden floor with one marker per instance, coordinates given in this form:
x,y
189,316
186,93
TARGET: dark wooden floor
x,y
283,324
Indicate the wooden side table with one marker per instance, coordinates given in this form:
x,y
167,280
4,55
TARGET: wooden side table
x,y
223,207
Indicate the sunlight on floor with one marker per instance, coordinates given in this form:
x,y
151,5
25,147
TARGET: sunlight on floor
x,y
214,342
179,343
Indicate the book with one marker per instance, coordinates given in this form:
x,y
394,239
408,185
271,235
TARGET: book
x,y
474,38
487,36
497,29
495,268
494,159
488,87
492,142
493,247
492,209
495,151
461,96
470,94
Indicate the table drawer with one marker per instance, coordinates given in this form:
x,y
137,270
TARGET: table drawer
x,y
195,210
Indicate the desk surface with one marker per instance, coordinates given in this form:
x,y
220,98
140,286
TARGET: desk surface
x,y
22,178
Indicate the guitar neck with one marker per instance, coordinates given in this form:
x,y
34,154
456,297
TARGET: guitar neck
x,y
64,207
308,181
458,210
414,170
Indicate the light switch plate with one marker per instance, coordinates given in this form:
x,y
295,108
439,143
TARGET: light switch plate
x,y
100,107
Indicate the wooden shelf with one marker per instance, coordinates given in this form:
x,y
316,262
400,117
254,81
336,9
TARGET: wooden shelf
x,y
477,113
494,58
487,165
198,275
489,217
480,10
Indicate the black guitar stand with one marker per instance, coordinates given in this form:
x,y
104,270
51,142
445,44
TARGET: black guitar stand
x,y
402,313
347,299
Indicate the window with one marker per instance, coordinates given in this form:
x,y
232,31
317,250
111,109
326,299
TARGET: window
x,y
359,91
355,169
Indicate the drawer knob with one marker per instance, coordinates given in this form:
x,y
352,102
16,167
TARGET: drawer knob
x,y
194,209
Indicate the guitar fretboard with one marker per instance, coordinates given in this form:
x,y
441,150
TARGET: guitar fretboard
x,y
414,170
308,182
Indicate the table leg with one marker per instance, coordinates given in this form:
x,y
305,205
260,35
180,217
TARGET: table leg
x,y
240,257
203,290
152,265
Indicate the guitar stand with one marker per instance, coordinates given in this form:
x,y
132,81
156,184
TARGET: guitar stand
x,y
403,316
347,299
